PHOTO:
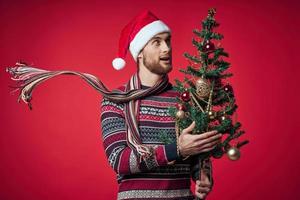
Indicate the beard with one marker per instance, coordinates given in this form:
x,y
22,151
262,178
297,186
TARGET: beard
x,y
157,67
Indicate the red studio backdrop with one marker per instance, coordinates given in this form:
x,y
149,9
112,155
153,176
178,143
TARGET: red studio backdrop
x,y
55,151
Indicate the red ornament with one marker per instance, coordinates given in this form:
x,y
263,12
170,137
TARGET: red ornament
x,y
185,96
208,46
228,88
180,106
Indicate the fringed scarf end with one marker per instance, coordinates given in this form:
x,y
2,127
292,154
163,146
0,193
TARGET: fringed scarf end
x,y
25,78
144,152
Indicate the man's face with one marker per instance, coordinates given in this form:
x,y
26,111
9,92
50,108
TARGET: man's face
x,y
156,56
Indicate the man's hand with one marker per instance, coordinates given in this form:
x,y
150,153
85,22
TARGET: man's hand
x,y
190,144
203,186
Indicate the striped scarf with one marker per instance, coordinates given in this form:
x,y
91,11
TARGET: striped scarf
x,y
27,78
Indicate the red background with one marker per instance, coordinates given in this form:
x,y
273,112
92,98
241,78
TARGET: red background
x,y
55,151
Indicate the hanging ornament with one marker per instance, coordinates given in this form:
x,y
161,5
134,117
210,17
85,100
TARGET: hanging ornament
x,y
180,106
228,88
233,153
222,118
185,96
202,87
180,114
212,114
208,46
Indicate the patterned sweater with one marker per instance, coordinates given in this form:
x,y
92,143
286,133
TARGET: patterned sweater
x,y
154,178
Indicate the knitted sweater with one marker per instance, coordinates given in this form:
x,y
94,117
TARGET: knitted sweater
x,y
155,177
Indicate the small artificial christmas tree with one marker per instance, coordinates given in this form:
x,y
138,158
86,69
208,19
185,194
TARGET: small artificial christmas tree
x,y
205,97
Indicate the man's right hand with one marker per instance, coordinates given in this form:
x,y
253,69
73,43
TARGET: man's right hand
x,y
190,144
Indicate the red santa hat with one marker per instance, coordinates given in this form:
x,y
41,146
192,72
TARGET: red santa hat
x,y
136,34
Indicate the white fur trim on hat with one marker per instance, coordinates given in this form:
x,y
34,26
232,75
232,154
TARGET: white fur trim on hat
x,y
144,35
118,63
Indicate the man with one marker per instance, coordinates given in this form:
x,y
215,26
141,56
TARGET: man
x,y
146,166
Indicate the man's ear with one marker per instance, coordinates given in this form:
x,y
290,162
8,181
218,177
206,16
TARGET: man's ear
x,y
139,57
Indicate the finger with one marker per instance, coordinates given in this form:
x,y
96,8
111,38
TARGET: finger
x,y
204,181
206,149
204,178
189,128
209,139
199,184
207,134
204,184
203,189
210,144
200,195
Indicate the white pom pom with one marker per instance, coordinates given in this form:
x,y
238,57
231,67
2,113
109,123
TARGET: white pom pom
x,y
118,63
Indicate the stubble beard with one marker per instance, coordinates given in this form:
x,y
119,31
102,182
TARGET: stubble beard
x,y
156,67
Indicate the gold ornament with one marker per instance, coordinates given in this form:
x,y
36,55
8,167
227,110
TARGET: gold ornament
x,y
223,117
202,87
212,114
233,153
180,114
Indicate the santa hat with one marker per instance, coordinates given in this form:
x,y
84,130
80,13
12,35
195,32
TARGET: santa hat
x,y
136,34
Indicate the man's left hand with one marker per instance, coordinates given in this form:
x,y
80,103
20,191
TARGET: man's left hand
x,y
203,186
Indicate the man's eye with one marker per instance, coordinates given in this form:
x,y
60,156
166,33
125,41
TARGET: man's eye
x,y
156,42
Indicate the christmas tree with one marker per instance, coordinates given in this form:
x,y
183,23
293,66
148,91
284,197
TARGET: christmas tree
x,y
206,96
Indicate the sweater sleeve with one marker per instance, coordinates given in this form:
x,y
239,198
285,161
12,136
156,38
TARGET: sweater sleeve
x,y
120,156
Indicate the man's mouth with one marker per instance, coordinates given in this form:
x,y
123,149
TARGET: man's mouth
x,y
165,58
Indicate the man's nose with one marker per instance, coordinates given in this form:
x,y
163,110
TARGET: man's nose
x,y
165,47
